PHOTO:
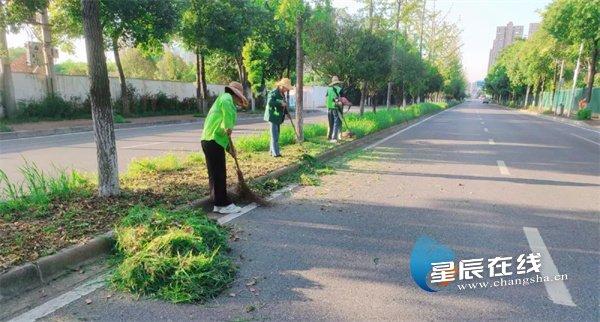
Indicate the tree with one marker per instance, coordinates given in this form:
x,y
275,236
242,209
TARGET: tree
x,y
144,24
70,67
212,25
13,14
577,22
104,134
135,65
172,67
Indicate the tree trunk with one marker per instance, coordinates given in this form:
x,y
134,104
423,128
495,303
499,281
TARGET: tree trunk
x,y
9,106
575,77
122,81
363,97
201,88
104,134
243,76
299,79
388,100
47,50
526,97
591,72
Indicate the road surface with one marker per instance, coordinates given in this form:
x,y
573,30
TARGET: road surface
x,y
78,150
483,181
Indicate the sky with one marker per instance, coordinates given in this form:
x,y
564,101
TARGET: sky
x,y
477,19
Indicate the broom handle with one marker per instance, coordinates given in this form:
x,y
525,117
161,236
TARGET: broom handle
x,y
287,111
235,159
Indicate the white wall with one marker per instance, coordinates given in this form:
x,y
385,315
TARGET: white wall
x,y
32,87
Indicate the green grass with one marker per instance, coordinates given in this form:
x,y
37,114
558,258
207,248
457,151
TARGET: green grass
x,y
38,189
165,163
119,119
584,114
4,127
171,255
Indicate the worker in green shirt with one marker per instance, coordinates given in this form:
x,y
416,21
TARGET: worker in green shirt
x,y
275,112
215,141
333,104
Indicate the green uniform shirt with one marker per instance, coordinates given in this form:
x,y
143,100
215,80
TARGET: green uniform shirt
x,y
331,96
221,117
274,111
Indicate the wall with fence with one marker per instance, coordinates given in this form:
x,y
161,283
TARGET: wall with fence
x,y
30,87
569,99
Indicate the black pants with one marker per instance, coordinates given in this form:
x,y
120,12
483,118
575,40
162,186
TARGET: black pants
x,y
335,124
217,172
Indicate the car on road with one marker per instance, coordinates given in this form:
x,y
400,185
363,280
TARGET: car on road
x,y
485,101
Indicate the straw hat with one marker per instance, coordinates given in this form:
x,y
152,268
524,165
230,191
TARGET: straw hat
x,y
335,80
238,90
285,83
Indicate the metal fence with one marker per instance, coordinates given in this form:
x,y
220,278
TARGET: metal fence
x,y
569,99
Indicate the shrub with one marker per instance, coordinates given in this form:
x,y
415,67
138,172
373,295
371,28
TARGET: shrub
x,y
172,255
584,114
53,107
120,119
4,127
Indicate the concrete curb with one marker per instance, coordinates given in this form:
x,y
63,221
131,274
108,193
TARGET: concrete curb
x,y
89,128
31,275
553,118
34,274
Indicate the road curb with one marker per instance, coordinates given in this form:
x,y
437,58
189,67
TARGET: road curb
x,y
34,274
90,128
553,118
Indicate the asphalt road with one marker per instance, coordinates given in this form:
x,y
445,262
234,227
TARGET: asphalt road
x,y
484,181
78,150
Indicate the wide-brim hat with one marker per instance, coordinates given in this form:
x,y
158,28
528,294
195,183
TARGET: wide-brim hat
x,y
285,83
335,80
238,90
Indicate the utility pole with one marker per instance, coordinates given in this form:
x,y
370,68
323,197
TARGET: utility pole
x,y
48,54
575,76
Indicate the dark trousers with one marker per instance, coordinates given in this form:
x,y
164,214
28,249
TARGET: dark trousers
x,y
335,124
217,172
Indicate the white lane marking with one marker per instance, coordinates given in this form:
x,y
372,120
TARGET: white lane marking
x,y
491,141
143,144
62,300
503,168
482,123
581,137
485,129
405,129
246,209
557,290
556,120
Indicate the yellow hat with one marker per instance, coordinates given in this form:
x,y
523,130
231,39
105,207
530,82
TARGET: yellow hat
x,y
335,80
285,83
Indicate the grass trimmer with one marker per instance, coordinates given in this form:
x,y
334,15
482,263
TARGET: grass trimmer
x,y
243,190
348,133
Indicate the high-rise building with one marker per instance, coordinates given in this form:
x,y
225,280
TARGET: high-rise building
x,y
533,27
505,35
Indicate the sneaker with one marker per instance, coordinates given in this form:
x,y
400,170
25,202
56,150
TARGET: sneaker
x,y
231,209
333,141
216,208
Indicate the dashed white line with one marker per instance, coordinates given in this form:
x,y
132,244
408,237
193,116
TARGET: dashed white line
x,y
502,167
405,129
485,129
482,123
143,144
491,141
586,139
62,300
557,290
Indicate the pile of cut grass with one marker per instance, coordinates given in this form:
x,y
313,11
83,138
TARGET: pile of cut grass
x,y
171,255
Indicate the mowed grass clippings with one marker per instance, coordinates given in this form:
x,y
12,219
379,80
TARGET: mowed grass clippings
x,y
176,256
66,210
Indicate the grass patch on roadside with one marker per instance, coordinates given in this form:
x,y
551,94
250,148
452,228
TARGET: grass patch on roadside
x,y
176,256
5,127
43,214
